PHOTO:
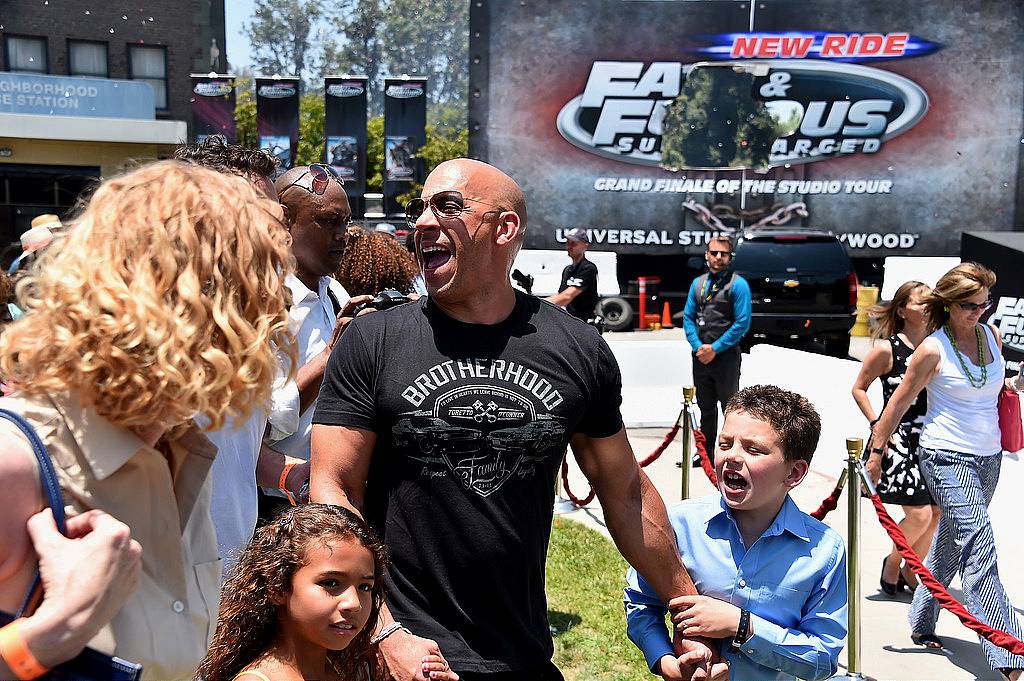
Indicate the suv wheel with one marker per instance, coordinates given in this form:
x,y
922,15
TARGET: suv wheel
x,y
617,313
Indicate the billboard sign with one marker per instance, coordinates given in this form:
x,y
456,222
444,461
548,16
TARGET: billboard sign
x,y
213,106
277,117
656,125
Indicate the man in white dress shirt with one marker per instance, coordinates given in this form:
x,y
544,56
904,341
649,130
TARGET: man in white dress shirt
x,y
318,216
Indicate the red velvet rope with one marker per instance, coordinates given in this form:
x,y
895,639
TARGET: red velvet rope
x,y
700,441
830,502
646,461
999,638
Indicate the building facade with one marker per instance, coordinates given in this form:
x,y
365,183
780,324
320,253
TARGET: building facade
x,y
75,102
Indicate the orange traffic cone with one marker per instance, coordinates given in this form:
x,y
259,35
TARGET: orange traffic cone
x,y
666,317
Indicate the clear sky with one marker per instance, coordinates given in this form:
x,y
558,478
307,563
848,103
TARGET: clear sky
x,y
237,11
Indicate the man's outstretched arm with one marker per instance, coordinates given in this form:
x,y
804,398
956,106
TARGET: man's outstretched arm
x,y
634,512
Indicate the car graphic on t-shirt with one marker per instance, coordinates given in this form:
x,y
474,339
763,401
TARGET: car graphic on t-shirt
x,y
535,438
433,436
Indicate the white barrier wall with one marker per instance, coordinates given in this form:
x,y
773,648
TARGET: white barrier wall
x,y
656,367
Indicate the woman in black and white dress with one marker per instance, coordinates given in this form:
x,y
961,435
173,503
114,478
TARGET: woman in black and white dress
x,y
904,323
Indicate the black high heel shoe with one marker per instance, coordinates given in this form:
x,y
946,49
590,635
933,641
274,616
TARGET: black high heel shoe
x,y
888,588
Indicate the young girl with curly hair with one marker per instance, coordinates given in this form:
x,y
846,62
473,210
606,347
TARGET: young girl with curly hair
x,y
302,602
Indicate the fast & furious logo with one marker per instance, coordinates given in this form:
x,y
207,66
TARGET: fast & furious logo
x,y
790,109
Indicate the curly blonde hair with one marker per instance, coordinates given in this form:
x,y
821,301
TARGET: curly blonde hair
x,y
373,262
161,302
247,622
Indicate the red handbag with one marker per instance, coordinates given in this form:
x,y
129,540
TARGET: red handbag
x,y
1010,428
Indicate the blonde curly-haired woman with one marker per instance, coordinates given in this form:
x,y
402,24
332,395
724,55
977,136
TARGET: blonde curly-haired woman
x,y
160,304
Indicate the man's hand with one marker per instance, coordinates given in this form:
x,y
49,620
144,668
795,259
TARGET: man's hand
x,y
706,354
345,317
704,616
297,481
695,654
404,655
670,669
87,577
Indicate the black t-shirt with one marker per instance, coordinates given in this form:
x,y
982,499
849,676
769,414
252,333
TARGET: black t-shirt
x,y
471,423
582,275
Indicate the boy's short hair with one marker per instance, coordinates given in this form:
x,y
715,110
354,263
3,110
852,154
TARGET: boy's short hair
x,y
792,416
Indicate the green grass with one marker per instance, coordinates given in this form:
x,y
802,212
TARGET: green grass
x,y
585,576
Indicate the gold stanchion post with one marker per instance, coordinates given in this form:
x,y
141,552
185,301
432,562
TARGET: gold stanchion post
x,y
854,446
689,392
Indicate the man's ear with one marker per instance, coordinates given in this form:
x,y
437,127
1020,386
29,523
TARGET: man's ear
x,y
508,229
797,471
287,216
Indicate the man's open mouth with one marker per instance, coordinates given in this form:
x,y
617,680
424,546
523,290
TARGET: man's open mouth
x,y
435,256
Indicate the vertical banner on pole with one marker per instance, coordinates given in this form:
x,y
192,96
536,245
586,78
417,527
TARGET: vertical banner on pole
x,y
405,131
277,117
213,106
345,134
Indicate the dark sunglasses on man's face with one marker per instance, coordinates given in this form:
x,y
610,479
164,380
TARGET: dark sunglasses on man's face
x,y
446,205
719,254
320,180
975,307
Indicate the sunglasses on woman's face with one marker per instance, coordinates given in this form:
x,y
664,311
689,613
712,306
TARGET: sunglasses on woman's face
x,y
321,178
975,307
446,205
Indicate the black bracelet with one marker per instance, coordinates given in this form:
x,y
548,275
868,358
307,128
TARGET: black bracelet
x,y
877,450
741,631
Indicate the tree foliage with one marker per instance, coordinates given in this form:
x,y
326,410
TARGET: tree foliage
x,y
697,133
282,36
373,38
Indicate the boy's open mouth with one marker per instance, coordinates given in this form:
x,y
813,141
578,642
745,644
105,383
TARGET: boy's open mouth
x,y
734,481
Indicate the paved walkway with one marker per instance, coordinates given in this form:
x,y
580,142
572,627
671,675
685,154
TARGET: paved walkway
x,y
887,652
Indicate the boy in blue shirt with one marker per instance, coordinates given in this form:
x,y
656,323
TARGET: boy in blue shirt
x,y
772,579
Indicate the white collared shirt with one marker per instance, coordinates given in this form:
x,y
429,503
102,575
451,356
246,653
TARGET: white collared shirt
x,y
312,319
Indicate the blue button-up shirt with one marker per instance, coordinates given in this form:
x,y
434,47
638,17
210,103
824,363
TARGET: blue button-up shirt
x,y
792,580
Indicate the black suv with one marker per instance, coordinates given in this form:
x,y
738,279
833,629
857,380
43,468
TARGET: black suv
x,y
802,286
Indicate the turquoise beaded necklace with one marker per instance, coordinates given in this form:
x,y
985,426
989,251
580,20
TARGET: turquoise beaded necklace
x,y
981,357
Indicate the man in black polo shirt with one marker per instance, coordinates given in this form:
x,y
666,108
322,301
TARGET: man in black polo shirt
x,y
578,291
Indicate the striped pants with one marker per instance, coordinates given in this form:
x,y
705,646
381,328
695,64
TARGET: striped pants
x,y
962,486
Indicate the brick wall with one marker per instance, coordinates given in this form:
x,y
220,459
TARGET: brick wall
x,y
183,27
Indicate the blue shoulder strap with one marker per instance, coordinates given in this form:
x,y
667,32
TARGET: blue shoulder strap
x,y
48,478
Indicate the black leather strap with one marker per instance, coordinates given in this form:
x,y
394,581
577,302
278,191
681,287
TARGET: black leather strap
x,y
742,631
51,488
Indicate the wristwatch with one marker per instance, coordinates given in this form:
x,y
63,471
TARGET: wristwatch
x,y
742,632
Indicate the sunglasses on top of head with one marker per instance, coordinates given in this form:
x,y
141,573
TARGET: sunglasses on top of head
x,y
445,205
975,307
322,175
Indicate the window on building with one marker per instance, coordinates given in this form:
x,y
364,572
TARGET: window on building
x,y
25,53
149,64
87,58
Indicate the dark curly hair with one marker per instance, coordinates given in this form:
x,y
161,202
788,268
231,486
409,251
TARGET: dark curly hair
x,y
374,261
215,152
247,622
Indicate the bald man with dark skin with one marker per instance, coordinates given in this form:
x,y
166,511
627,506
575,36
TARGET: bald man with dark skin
x,y
319,227
443,423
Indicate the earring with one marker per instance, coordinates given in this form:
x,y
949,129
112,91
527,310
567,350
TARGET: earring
x,y
945,308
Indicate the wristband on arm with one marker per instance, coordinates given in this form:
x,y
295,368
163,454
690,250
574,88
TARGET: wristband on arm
x,y
16,654
283,479
742,632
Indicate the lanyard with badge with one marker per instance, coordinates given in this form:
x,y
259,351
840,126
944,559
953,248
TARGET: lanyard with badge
x,y
708,292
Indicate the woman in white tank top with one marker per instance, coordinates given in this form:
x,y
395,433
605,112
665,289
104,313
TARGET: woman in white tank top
x,y
960,454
